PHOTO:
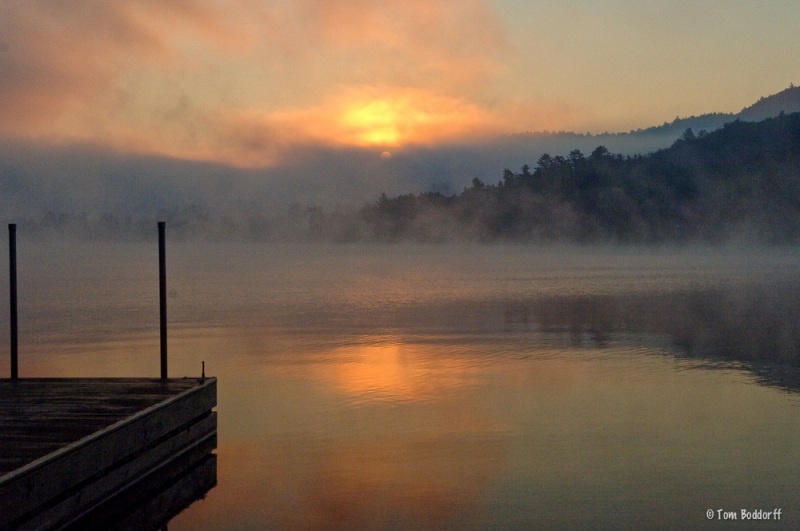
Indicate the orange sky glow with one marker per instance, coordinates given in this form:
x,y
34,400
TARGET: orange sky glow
x,y
242,81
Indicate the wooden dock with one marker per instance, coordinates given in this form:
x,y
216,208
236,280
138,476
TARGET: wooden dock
x,y
96,453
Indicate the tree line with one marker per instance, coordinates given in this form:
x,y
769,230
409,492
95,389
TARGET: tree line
x,y
739,182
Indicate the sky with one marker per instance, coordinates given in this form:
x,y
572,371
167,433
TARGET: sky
x,y
239,81
259,83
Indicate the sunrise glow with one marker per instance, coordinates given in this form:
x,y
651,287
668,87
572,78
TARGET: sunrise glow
x,y
457,264
395,116
392,371
246,83
374,123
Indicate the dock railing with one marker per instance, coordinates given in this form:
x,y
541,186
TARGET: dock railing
x,y
13,315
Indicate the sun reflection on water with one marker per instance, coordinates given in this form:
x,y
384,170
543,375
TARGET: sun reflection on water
x,y
393,371
365,388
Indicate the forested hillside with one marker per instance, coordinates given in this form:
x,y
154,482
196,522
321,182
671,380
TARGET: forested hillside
x,y
739,182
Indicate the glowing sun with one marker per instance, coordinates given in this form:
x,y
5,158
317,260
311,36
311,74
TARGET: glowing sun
x,y
374,123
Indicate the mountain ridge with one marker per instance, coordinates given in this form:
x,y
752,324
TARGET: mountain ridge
x,y
49,186
787,101
737,183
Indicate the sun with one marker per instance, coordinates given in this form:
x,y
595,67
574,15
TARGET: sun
x,y
374,123
392,117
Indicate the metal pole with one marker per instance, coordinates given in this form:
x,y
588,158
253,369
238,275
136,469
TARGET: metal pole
x,y
162,285
12,271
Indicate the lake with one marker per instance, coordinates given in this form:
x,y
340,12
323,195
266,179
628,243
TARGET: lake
x,y
451,386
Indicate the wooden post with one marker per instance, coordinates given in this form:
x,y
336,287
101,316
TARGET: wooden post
x,y
12,273
162,285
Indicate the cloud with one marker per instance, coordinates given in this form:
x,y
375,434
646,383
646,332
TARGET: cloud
x,y
241,80
127,75
62,62
360,116
402,41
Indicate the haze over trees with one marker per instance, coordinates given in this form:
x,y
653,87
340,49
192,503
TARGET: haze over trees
x,y
739,182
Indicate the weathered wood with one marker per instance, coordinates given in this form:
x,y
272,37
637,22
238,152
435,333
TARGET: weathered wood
x,y
39,416
187,448
153,509
112,495
162,421
12,274
162,294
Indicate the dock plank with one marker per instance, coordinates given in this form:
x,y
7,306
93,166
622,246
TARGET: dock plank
x,y
39,416
72,449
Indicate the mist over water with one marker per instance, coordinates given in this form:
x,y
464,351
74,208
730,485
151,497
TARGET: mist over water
x,y
432,301
466,386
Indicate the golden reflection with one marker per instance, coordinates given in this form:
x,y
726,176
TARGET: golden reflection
x,y
419,480
394,371
134,355
422,483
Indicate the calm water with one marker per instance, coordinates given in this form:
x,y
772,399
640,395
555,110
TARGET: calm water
x,y
447,386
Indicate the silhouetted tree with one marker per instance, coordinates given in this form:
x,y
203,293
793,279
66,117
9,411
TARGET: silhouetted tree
x,y
704,187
